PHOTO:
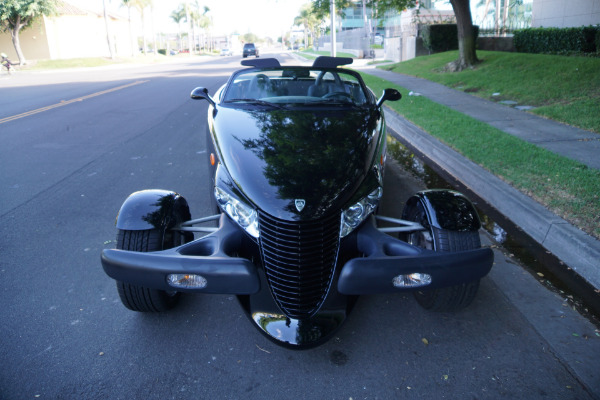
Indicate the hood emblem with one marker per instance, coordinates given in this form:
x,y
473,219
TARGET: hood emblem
x,y
300,203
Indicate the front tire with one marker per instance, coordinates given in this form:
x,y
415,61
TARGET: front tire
x,y
139,298
452,298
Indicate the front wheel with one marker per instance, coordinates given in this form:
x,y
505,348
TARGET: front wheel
x,y
139,298
450,298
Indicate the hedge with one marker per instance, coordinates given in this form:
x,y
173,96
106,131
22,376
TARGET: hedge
x,y
441,37
583,39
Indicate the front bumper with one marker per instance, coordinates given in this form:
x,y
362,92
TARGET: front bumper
x,y
208,257
385,258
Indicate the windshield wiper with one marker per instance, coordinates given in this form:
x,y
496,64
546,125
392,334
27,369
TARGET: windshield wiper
x,y
255,101
330,103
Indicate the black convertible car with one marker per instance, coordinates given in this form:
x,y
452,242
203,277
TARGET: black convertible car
x,y
297,155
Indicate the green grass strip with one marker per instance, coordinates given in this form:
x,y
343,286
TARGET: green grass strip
x,y
566,187
562,88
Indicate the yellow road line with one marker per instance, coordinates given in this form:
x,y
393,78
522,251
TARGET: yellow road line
x,y
65,102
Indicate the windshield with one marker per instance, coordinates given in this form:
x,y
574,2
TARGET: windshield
x,y
296,86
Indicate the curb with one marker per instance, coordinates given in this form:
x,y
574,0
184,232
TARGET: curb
x,y
578,250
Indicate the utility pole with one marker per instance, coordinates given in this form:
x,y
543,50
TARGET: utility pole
x,y
110,49
189,21
332,28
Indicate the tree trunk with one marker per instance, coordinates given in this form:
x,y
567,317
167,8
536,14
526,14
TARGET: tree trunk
x,y
154,48
14,33
110,47
131,43
466,36
145,44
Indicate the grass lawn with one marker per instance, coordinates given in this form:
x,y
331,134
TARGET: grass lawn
x,y
562,88
568,188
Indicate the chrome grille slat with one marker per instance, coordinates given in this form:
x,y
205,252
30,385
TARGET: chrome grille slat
x,y
299,260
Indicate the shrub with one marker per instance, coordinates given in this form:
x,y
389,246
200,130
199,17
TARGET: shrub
x,y
162,51
583,39
441,37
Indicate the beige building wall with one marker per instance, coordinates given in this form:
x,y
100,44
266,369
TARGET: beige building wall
x,y
74,36
70,36
33,40
565,13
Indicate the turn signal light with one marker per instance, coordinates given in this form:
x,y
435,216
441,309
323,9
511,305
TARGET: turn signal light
x,y
187,281
411,280
212,159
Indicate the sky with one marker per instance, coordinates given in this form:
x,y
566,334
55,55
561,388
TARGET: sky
x,y
261,17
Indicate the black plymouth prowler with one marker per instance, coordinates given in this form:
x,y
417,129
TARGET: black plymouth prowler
x,y
297,156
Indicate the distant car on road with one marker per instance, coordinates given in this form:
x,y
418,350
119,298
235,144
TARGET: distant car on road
x,y
226,52
250,50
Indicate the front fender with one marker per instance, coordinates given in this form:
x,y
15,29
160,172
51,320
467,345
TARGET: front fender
x,y
152,209
446,209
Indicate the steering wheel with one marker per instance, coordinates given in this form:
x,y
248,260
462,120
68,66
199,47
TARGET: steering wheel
x,y
334,94
258,83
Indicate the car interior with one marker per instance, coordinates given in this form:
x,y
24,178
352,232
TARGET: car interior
x,y
296,85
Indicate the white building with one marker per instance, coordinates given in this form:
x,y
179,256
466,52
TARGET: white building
x,y
72,33
565,13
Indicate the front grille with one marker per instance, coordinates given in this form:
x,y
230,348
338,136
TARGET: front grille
x,y
299,259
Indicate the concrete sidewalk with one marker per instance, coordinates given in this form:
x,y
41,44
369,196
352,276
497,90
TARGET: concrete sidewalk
x,y
574,143
578,250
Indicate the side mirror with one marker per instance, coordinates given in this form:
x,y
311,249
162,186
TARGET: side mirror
x,y
201,93
389,94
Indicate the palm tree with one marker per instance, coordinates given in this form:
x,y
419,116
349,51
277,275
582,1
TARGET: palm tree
x,y
308,20
154,47
139,5
128,4
178,16
110,47
198,18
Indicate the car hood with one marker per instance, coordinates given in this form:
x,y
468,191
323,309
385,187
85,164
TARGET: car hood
x,y
276,157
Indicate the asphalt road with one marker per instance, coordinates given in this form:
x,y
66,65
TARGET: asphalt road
x,y
65,170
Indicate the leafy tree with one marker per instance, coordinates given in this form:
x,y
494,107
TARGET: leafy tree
x,y
19,14
321,8
249,38
464,21
308,21
467,57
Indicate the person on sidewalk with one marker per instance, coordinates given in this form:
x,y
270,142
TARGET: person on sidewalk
x,y
6,63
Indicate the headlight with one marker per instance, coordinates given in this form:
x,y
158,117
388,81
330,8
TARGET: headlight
x,y
245,216
358,212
